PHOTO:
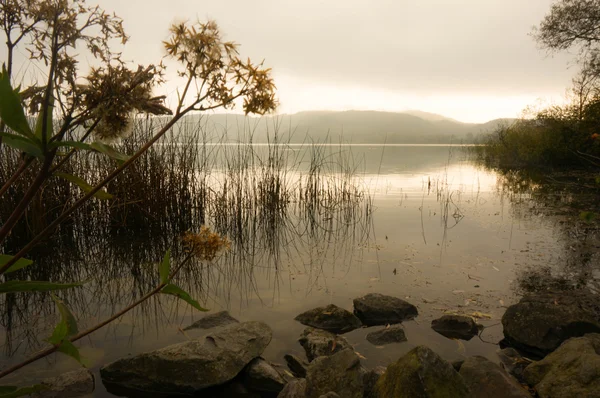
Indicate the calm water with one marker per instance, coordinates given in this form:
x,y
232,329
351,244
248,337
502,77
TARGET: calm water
x,y
438,231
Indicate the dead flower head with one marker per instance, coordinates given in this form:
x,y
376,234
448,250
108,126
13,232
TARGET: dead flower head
x,y
205,244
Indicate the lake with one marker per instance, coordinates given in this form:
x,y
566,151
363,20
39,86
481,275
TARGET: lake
x,y
420,222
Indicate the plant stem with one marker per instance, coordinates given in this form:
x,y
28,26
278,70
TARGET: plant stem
x,y
24,165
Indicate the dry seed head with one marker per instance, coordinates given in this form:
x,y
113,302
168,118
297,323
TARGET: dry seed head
x,y
206,244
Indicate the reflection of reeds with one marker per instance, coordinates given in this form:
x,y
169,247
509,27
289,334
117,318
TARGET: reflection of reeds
x,y
280,206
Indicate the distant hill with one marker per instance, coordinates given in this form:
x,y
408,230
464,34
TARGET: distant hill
x,y
347,126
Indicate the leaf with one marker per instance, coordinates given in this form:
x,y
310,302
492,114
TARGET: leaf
x,y
39,125
66,347
20,264
71,144
109,151
34,286
183,295
588,216
14,392
11,111
164,267
66,316
22,144
101,194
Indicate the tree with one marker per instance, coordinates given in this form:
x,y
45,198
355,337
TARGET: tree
x,y
74,109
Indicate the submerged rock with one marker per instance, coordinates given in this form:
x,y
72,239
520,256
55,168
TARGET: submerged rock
x,y
539,323
331,318
485,379
421,373
217,319
339,373
261,376
573,370
455,327
317,343
78,383
294,389
377,309
189,367
393,334
296,365
513,362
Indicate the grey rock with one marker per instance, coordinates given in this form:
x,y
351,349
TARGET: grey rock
x,y
370,378
340,373
393,334
573,370
330,394
455,327
457,364
317,343
421,373
539,323
217,319
485,379
74,384
331,318
377,309
261,376
232,389
513,362
294,389
191,366
296,365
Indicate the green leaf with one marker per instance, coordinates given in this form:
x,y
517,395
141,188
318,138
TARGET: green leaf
x,y
588,216
164,267
22,144
66,347
34,286
60,332
71,144
39,125
109,151
183,295
66,316
14,392
101,194
11,111
21,263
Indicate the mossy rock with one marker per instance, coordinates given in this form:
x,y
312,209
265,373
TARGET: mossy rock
x,y
421,373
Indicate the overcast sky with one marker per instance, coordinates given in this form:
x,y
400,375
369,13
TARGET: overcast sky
x,y
472,60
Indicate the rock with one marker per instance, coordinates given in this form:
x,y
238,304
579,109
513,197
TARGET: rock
x,y
457,364
330,394
231,389
188,367
485,379
393,334
421,373
455,327
296,365
539,323
370,378
513,362
573,370
318,343
377,309
261,376
74,384
340,373
294,389
217,319
331,318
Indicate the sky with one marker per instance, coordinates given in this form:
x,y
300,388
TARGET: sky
x,y
472,60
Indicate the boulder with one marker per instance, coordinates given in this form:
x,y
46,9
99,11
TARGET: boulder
x,y
573,370
188,367
78,383
261,376
377,309
331,318
296,365
370,378
485,379
330,394
513,362
421,373
217,319
340,373
393,334
455,327
294,389
317,343
539,323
